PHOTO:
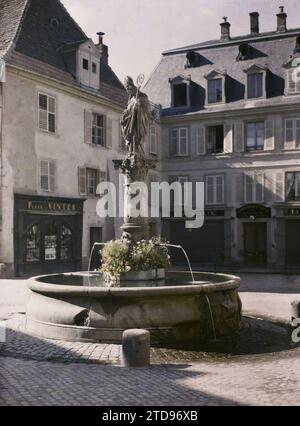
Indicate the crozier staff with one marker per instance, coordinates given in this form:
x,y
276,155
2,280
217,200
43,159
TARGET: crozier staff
x,y
136,118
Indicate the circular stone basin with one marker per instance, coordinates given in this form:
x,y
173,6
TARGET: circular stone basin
x,y
78,307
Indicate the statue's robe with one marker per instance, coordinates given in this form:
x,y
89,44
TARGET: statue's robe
x,y
135,122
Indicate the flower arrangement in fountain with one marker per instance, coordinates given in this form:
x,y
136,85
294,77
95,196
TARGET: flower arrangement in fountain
x,y
118,257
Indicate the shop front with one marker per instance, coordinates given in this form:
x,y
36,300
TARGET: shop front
x,y
209,245
47,235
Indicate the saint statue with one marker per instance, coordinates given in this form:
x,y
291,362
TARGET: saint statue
x,y
135,119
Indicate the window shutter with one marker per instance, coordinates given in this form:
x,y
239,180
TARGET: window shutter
x,y
259,187
249,184
52,171
43,119
279,186
220,189
82,180
269,135
88,125
289,134
297,136
228,138
210,190
174,133
153,140
183,142
239,144
109,132
239,189
51,105
44,172
200,140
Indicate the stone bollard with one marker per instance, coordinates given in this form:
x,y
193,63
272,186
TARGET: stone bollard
x,y
136,348
295,308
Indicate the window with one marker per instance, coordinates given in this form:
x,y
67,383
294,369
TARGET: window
x,y
215,189
255,85
254,188
88,180
47,113
91,181
255,136
33,244
98,130
293,186
180,98
215,139
179,142
47,175
292,133
153,140
85,64
293,80
215,90
66,243
94,68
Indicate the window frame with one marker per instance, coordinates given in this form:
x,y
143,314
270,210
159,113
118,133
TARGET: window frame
x,y
214,187
255,149
153,139
294,142
179,152
48,112
213,80
297,186
261,74
254,182
95,116
50,188
207,137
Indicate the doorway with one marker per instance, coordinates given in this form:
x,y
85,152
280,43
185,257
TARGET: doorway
x,y
255,243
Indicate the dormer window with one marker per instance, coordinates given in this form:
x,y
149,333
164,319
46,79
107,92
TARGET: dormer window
x,y
244,52
256,82
85,64
215,90
216,82
297,45
255,85
192,59
292,85
180,87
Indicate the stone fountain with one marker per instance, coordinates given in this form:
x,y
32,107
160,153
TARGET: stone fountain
x,y
174,308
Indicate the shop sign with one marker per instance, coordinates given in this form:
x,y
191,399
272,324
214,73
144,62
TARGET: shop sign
x,y
254,210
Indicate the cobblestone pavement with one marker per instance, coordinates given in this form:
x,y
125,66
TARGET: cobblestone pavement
x,y
264,370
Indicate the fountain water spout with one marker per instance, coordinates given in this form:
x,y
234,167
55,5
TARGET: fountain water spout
x,y
92,251
186,256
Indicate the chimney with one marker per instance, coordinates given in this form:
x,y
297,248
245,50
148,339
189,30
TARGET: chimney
x,y
281,20
254,23
225,30
102,47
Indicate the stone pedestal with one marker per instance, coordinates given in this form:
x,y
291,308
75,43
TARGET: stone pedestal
x,y
135,169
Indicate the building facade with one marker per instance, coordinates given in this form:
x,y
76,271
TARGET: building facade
x,y
231,119
60,113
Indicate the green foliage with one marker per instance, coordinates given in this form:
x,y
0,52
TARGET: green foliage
x,y
119,257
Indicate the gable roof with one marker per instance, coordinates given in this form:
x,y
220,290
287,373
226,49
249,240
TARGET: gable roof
x,y
29,40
